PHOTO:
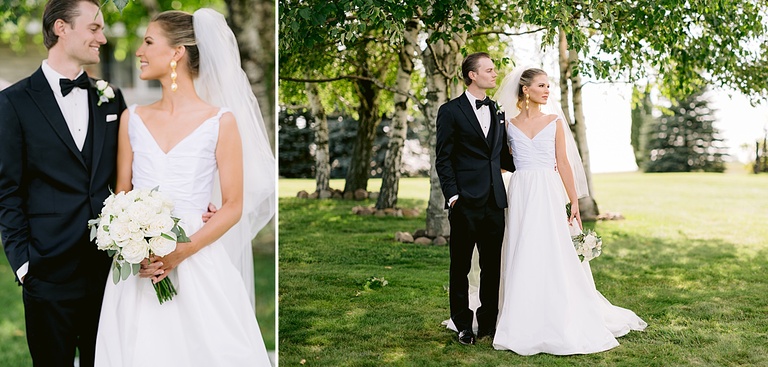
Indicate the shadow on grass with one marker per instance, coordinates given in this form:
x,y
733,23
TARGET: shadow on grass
x,y
704,300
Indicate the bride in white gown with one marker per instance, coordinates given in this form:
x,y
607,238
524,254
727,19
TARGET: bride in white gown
x,y
548,303
195,153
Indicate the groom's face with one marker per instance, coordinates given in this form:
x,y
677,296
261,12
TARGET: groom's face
x,y
485,76
82,38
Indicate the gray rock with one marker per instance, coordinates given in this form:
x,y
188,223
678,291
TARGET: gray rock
x,y
420,233
404,237
423,241
410,213
439,241
325,194
360,194
302,194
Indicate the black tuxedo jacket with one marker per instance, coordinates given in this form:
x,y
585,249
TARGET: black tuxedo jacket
x,y
48,188
468,163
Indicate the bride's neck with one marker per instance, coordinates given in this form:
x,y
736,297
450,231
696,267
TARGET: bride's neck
x,y
533,111
184,95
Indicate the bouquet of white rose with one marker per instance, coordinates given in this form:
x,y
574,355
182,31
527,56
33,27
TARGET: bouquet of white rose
x,y
133,226
588,245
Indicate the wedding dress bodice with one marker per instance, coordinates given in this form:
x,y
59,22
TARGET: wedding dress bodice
x,y
533,154
229,334
186,172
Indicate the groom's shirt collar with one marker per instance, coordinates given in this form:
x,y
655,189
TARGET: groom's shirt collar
x,y
73,106
483,113
53,76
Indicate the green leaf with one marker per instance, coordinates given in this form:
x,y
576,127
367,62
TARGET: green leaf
x,y
94,229
168,236
116,273
125,271
135,268
305,13
120,4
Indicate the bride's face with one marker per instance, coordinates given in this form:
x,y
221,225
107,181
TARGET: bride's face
x,y
538,91
155,54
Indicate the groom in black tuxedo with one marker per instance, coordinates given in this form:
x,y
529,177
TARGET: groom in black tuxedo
x,y
471,151
58,139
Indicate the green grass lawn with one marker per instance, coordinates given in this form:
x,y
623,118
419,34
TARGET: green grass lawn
x,y
13,342
691,258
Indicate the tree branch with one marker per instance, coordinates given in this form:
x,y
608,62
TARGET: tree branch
x,y
506,33
378,83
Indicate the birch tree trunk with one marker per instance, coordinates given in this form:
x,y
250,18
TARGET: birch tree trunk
x,y
322,160
390,178
587,206
442,61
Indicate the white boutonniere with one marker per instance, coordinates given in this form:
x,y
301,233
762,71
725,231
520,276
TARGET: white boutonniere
x,y
105,92
500,111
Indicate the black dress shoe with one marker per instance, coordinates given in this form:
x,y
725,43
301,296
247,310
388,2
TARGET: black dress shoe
x,y
490,333
466,337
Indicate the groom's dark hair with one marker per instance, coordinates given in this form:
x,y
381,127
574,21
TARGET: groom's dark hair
x,y
66,10
470,63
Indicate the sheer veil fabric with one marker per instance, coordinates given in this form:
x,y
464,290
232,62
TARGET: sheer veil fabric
x,y
222,82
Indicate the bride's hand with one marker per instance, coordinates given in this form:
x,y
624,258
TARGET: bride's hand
x,y
575,215
172,260
150,269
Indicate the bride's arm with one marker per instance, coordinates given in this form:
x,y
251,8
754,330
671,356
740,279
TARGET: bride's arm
x,y
124,156
566,173
229,158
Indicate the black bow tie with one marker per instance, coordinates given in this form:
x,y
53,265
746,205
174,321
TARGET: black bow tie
x,y
67,85
479,103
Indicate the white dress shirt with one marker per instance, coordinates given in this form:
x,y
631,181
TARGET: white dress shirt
x,y
483,115
74,108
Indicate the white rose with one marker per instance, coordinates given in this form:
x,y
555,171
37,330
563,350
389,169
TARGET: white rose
x,y
101,84
103,240
122,201
161,246
135,251
159,224
590,241
167,202
109,93
119,230
141,213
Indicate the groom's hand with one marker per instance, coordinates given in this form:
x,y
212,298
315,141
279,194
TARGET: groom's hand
x,y
209,214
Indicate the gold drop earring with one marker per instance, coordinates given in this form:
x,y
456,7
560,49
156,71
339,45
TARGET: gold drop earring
x,y
174,86
527,100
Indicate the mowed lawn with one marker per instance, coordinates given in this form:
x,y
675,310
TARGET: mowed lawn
x,y
13,342
691,258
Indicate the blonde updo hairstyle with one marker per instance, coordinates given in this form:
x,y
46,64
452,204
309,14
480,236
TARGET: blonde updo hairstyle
x,y
179,27
526,79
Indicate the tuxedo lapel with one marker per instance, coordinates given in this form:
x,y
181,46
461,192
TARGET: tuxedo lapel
x,y
495,128
43,97
99,116
468,111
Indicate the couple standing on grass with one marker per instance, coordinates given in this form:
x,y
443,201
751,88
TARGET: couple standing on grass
x,y
66,140
535,296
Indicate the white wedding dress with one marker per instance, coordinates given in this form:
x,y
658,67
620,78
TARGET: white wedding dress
x,y
548,300
210,322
